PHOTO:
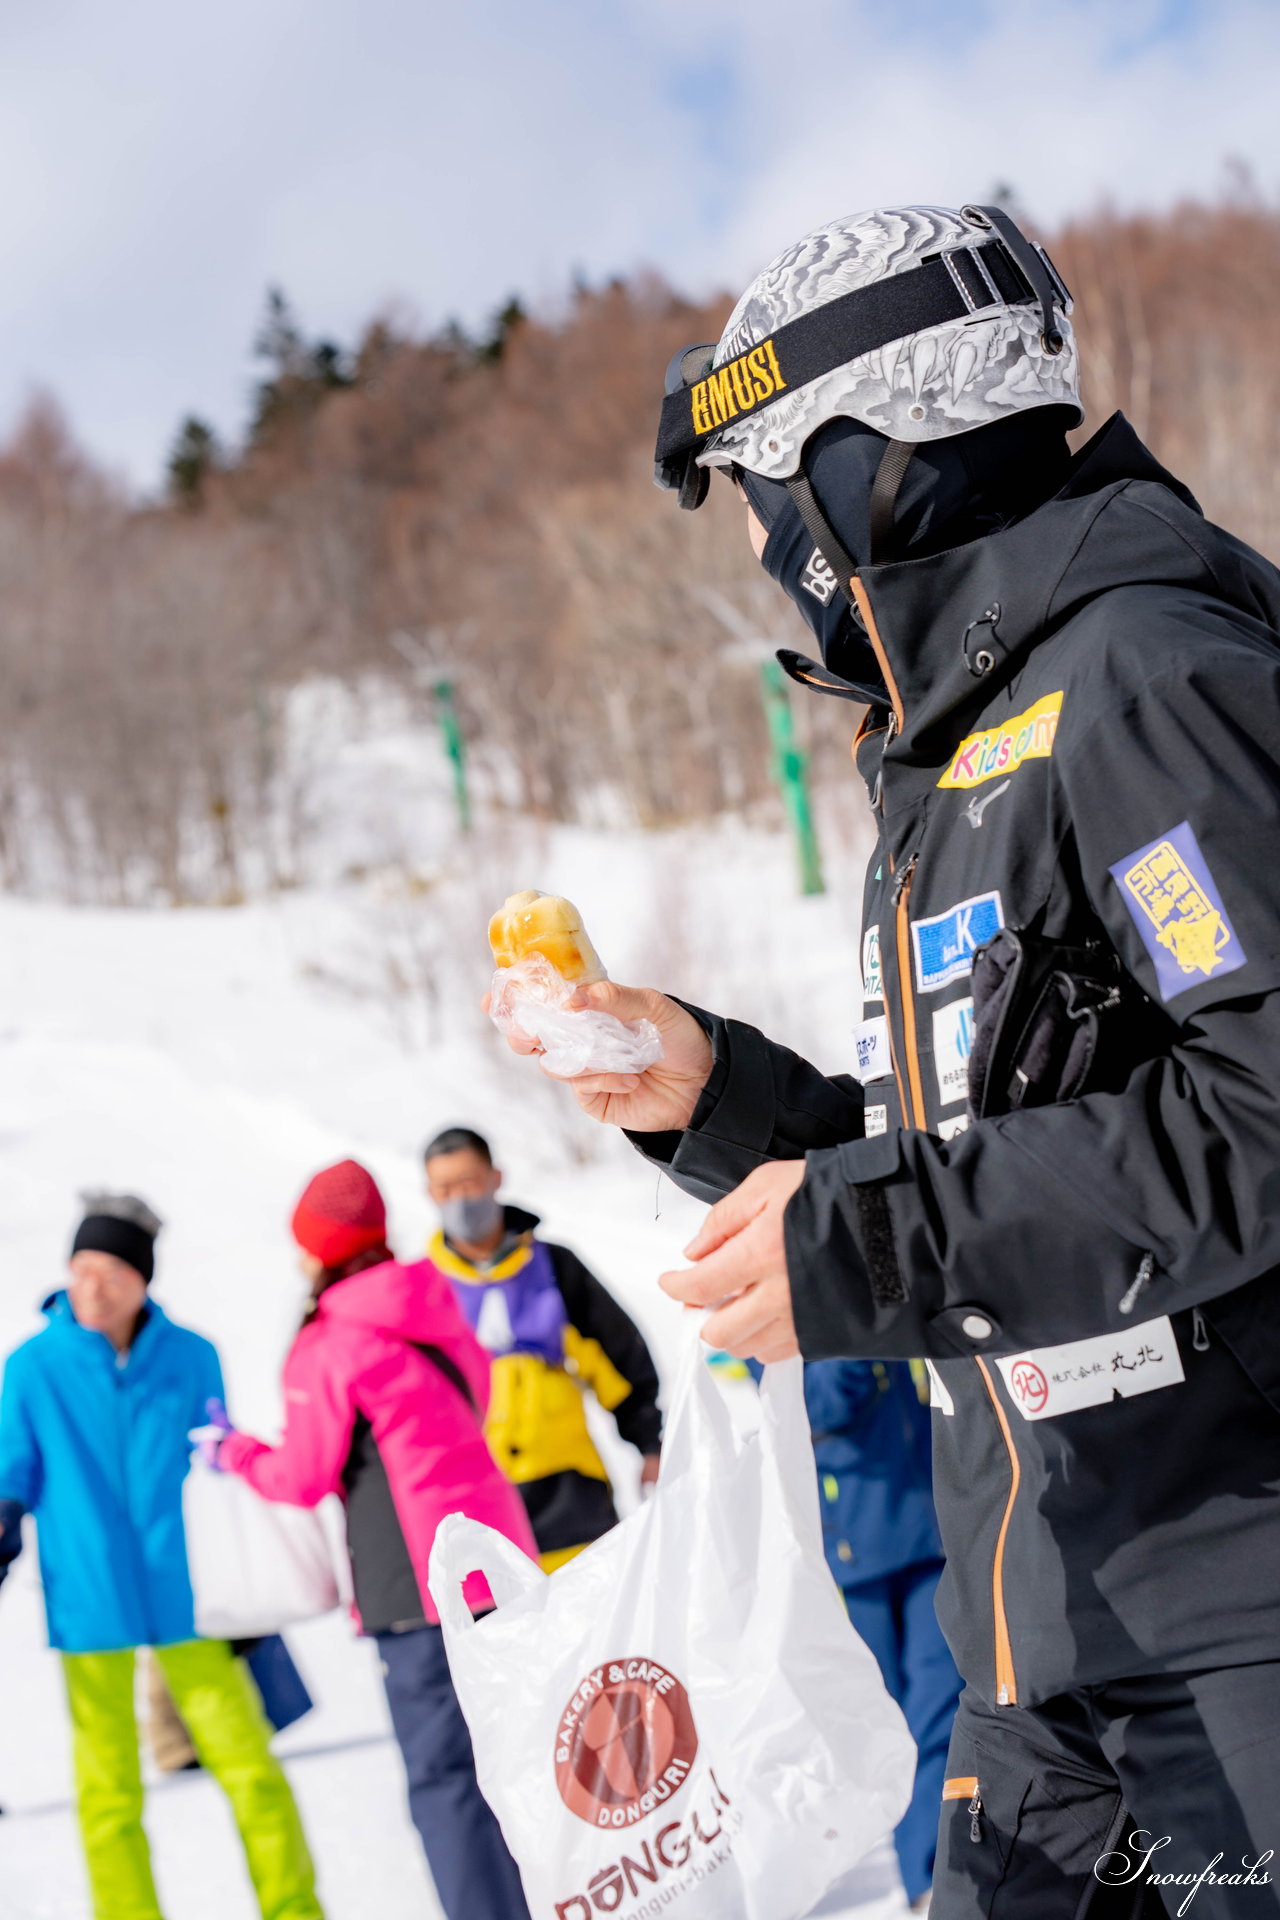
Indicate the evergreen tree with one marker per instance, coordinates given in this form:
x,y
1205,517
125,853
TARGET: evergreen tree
x,y
302,372
505,322
193,457
279,339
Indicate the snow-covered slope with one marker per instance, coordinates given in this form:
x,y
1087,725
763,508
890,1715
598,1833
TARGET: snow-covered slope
x,y
213,1060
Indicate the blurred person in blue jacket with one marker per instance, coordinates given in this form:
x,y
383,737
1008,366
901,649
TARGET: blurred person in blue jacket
x,y
94,1416
873,1446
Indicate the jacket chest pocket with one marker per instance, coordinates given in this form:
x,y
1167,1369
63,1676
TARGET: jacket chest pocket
x,y
156,1417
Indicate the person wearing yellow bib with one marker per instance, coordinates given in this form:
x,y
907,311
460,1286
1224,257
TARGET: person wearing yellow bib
x,y
552,1331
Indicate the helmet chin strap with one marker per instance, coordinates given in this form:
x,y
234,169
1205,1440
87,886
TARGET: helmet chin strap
x,y
890,473
821,532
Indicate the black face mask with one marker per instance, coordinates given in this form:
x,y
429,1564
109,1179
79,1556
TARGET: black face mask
x,y
791,559
954,491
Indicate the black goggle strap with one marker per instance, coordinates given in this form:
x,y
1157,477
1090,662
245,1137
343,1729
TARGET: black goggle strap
x,y
1004,270
680,471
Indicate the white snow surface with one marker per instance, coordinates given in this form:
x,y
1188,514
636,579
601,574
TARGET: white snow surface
x,y
212,1060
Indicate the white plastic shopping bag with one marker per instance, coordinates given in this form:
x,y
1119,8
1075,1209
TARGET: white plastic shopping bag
x,y
682,1720
258,1565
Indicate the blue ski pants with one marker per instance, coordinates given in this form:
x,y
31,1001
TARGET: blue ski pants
x,y
895,1617
475,1876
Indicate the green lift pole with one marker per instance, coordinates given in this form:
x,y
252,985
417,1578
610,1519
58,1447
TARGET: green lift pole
x,y
791,771
456,748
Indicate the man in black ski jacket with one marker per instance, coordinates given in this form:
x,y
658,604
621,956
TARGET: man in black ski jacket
x,y
1055,1173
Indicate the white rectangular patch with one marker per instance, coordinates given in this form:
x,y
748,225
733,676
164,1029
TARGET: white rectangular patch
x,y
945,944
938,1395
952,1045
948,1129
875,1121
1090,1373
872,977
819,580
871,1042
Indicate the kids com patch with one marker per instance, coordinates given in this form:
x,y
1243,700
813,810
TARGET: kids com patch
x,y
1170,894
1027,736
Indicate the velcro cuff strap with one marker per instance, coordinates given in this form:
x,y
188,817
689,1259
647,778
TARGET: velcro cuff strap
x,y
879,1249
868,1166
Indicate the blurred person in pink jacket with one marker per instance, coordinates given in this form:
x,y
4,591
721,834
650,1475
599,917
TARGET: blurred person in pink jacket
x,y
385,1391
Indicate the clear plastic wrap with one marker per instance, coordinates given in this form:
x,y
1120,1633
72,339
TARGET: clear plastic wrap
x,y
532,996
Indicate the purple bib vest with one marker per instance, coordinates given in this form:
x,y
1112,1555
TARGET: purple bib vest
x,y
534,1304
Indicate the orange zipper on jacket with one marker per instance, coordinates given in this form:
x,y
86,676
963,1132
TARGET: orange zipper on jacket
x,y
865,729
910,1093
1006,1679
863,603
894,1059
913,1113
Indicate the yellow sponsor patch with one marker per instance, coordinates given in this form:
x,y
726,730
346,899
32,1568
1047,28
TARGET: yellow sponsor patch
x,y
736,387
1185,921
996,750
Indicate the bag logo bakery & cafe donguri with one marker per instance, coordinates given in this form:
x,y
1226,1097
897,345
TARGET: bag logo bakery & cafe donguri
x,y
624,1743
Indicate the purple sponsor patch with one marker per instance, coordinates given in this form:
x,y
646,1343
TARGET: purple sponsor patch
x,y
1178,910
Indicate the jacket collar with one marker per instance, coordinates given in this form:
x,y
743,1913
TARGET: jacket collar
x,y
57,1306
930,619
513,1252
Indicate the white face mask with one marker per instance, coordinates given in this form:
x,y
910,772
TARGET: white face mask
x,y
471,1218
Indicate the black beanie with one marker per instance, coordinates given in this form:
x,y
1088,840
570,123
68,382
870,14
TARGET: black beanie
x,y
122,1225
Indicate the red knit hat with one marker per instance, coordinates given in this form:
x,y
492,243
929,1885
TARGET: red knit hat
x,y
340,1214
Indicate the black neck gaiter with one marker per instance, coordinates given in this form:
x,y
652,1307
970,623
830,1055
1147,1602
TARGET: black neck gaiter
x,y
954,491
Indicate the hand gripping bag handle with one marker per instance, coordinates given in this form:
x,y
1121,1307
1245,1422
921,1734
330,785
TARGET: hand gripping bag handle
x,y
787,1446
462,1547
698,1429
699,1432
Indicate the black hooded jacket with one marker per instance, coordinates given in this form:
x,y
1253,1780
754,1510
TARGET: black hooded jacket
x,y
1083,747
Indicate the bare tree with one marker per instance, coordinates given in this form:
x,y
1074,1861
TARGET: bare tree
x,y
154,718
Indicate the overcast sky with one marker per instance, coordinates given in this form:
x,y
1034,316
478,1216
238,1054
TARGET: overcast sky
x,y
164,161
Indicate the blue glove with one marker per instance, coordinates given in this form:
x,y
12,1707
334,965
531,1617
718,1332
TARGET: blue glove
x,y
208,1439
11,1512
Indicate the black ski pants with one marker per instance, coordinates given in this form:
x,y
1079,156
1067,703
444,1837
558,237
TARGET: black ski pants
x,y
1105,1803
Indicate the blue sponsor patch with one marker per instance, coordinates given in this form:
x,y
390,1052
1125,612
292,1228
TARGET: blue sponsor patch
x,y
1171,897
945,946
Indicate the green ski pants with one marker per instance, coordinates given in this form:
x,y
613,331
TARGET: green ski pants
x,y
215,1695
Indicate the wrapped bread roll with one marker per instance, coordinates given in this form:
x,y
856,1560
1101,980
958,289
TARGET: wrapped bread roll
x,y
545,923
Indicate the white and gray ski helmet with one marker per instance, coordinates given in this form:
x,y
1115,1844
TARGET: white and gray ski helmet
x,y
967,324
